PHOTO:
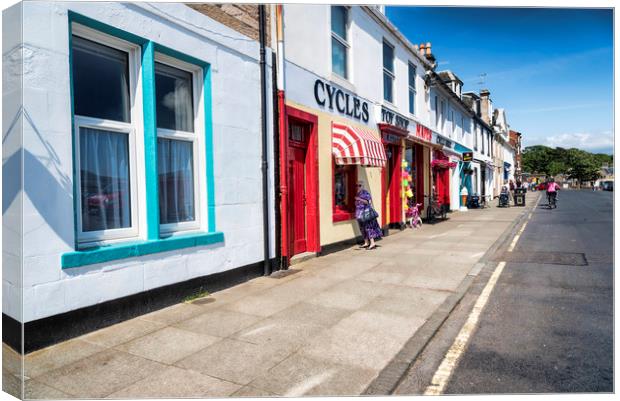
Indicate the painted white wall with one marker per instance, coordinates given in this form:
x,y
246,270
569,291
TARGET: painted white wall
x,y
12,157
48,207
313,57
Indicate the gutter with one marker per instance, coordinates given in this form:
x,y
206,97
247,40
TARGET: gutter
x,y
264,165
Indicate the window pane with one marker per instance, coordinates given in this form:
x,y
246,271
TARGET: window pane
x,y
387,86
104,180
100,80
339,58
344,200
175,164
411,102
412,75
339,21
388,57
173,94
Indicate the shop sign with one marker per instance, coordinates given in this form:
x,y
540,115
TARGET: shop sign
x,y
346,103
393,118
468,156
423,133
444,141
390,138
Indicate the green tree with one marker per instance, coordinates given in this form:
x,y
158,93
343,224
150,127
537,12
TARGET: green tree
x,y
536,159
582,165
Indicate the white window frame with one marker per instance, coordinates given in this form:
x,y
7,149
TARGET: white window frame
x,y
198,147
392,74
412,89
343,41
132,129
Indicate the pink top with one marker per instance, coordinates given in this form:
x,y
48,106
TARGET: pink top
x,y
551,187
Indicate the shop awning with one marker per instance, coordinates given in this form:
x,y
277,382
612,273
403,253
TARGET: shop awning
x,y
357,146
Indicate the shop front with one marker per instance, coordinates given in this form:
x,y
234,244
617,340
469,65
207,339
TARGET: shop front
x,y
394,129
328,143
441,165
416,165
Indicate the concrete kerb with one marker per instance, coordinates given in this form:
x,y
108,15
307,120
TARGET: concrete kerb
x,y
391,376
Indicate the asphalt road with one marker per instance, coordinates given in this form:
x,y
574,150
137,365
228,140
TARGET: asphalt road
x,y
548,324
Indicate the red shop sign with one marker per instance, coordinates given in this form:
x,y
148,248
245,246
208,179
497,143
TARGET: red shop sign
x,y
423,132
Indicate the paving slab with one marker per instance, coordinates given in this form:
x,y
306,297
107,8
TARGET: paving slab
x,y
101,374
35,390
250,391
173,382
218,323
44,360
365,350
121,332
168,345
272,331
317,314
351,294
300,375
235,361
175,313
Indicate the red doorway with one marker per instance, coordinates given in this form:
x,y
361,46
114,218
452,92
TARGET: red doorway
x,y
300,228
391,176
441,170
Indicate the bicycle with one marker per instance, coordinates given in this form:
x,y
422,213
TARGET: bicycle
x,y
552,200
413,215
435,210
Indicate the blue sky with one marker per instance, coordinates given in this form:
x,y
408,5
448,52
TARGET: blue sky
x,y
550,68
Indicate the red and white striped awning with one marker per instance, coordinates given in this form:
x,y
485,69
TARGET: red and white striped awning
x,y
357,146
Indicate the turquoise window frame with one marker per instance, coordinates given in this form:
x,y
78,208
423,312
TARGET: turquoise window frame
x,y
153,243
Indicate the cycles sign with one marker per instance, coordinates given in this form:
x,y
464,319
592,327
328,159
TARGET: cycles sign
x,y
346,103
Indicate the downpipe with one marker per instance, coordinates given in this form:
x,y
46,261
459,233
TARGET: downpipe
x,y
264,165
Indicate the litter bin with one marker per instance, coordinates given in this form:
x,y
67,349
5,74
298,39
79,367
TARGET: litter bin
x,y
474,202
519,199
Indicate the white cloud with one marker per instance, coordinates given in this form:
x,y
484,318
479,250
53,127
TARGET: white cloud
x,y
584,141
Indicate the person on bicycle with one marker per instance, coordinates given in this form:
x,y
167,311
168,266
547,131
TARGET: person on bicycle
x,y
552,188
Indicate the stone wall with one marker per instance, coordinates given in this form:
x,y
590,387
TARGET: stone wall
x,y
243,18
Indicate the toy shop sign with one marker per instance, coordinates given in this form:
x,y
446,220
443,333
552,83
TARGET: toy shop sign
x,y
331,97
390,117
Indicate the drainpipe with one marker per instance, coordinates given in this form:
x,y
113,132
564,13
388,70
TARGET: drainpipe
x,y
282,143
263,97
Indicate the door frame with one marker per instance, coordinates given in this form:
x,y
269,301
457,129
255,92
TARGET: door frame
x,y
313,243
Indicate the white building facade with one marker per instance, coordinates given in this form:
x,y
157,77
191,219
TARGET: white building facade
x,y
139,130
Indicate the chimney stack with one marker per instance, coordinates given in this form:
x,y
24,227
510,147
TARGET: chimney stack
x,y
422,49
485,105
429,55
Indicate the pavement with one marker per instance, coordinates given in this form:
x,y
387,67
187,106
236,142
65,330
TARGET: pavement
x,y
548,324
328,326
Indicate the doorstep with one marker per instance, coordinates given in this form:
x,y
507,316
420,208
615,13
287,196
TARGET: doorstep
x,y
302,257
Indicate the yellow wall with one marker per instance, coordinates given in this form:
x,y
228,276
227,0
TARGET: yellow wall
x,y
331,232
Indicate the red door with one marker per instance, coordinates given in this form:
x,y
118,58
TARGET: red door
x,y
297,186
394,183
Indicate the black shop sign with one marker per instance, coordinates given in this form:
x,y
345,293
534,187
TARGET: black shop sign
x,y
346,103
444,141
390,117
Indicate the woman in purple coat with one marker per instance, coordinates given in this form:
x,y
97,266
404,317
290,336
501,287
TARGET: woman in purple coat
x,y
370,230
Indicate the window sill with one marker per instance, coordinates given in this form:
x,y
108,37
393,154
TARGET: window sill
x,y
342,216
108,253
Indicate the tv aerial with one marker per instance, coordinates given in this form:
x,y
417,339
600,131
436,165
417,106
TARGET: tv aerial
x,y
482,79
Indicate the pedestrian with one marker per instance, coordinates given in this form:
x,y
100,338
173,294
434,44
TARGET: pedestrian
x,y
363,213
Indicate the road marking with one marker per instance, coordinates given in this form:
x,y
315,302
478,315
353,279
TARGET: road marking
x,y
450,360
